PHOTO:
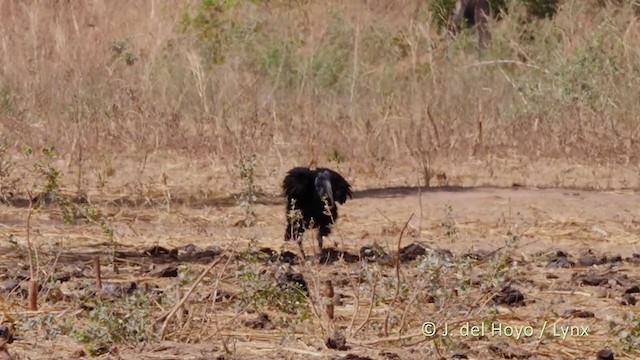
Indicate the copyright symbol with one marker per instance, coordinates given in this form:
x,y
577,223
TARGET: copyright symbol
x,y
428,329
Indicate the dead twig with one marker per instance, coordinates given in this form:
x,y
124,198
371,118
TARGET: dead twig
x,y
96,269
327,299
179,305
395,297
371,304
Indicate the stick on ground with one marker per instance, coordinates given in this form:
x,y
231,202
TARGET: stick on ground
x,y
179,305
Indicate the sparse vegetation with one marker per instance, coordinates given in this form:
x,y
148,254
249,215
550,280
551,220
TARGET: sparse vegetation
x,y
155,115
247,198
109,324
262,294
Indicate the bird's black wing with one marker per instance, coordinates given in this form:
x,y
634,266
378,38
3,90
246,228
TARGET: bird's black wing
x,y
341,188
298,183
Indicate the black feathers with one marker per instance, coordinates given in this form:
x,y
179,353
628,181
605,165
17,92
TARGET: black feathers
x,y
311,200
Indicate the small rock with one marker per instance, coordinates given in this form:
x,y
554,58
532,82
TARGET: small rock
x,y
504,350
331,255
64,277
261,322
482,254
168,271
590,279
591,260
628,299
605,354
80,353
119,289
411,252
6,333
355,357
267,251
509,296
605,293
633,290
577,313
388,355
560,260
296,278
459,355
156,251
376,253
287,257
222,295
9,285
337,341
190,248
189,252
370,252
55,295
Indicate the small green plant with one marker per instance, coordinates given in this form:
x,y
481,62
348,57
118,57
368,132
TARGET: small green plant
x,y
112,323
186,275
121,51
628,333
541,8
247,198
6,167
441,10
336,155
52,194
279,63
437,270
330,62
294,217
7,102
449,226
51,325
213,26
261,293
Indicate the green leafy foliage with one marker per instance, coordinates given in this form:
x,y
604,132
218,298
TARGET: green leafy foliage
x,y
247,198
110,323
52,193
259,291
214,27
541,8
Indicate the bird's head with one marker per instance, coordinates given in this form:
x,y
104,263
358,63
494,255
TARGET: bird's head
x,y
323,186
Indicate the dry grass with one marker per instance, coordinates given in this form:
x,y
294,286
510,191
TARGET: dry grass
x,y
373,85
153,109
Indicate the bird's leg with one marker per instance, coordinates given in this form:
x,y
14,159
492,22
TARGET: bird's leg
x,y
319,237
288,234
304,257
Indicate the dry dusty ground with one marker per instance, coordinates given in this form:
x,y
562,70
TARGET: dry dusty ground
x,y
486,255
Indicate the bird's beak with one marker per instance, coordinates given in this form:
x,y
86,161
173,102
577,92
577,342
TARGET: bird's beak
x,y
328,190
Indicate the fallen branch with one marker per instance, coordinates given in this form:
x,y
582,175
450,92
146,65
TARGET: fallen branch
x,y
179,305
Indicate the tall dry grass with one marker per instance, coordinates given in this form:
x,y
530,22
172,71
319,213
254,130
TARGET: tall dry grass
x,y
375,84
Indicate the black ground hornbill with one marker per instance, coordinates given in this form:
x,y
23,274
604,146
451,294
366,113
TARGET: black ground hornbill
x,y
312,195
